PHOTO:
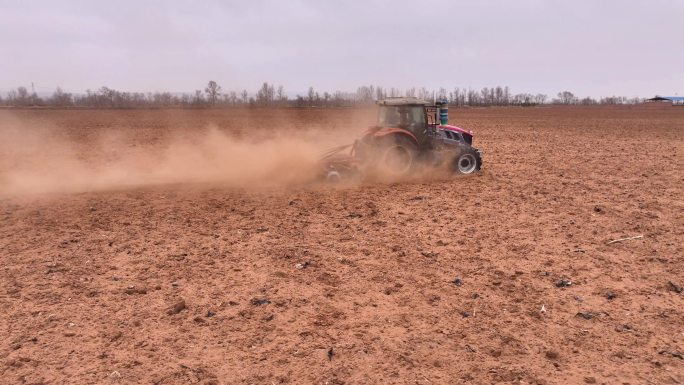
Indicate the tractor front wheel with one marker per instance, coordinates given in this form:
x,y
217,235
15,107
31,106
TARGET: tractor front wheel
x,y
468,161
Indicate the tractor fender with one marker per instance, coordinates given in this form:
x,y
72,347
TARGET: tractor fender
x,y
386,131
454,128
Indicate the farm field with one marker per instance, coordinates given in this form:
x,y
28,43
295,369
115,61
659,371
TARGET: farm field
x,y
190,246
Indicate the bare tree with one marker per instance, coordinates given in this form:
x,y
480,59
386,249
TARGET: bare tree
x,y
265,95
22,97
184,100
213,90
423,93
282,97
61,98
380,93
567,97
588,101
199,99
485,95
341,98
11,97
364,94
311,95
474,98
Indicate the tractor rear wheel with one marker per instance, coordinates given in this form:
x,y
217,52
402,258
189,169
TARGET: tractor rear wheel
x,y
396,155
468,161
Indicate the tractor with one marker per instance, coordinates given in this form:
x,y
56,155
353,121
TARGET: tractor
x,y
410,133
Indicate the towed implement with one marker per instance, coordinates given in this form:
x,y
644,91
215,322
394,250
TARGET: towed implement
x,y
409,133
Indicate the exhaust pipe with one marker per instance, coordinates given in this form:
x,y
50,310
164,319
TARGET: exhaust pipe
x,y
443,106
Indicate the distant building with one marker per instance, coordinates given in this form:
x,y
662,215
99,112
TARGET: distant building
x,y
675,100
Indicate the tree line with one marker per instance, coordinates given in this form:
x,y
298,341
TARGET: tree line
x,y
268,94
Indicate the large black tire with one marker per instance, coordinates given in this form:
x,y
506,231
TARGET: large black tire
x,y
395,155
469,161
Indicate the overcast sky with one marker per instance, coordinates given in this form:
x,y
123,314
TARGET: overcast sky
x,y
590,47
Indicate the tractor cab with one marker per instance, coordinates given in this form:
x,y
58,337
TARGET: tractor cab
x,y
411,114
406,113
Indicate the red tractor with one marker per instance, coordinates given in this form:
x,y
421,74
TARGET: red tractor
x,y
409,133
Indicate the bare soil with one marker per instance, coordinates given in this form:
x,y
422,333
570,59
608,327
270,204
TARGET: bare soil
x,y
506,276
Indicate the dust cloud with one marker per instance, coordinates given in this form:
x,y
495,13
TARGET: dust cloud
x,y
42,159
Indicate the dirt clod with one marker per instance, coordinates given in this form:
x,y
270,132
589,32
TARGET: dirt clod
x,y
115,336
673,287
585,315
176,308
259,301
136,290
671,353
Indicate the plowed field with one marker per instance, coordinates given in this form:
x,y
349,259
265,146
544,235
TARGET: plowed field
x,y
182,247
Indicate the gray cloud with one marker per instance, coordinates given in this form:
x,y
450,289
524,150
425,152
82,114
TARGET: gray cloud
x,y
595,48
